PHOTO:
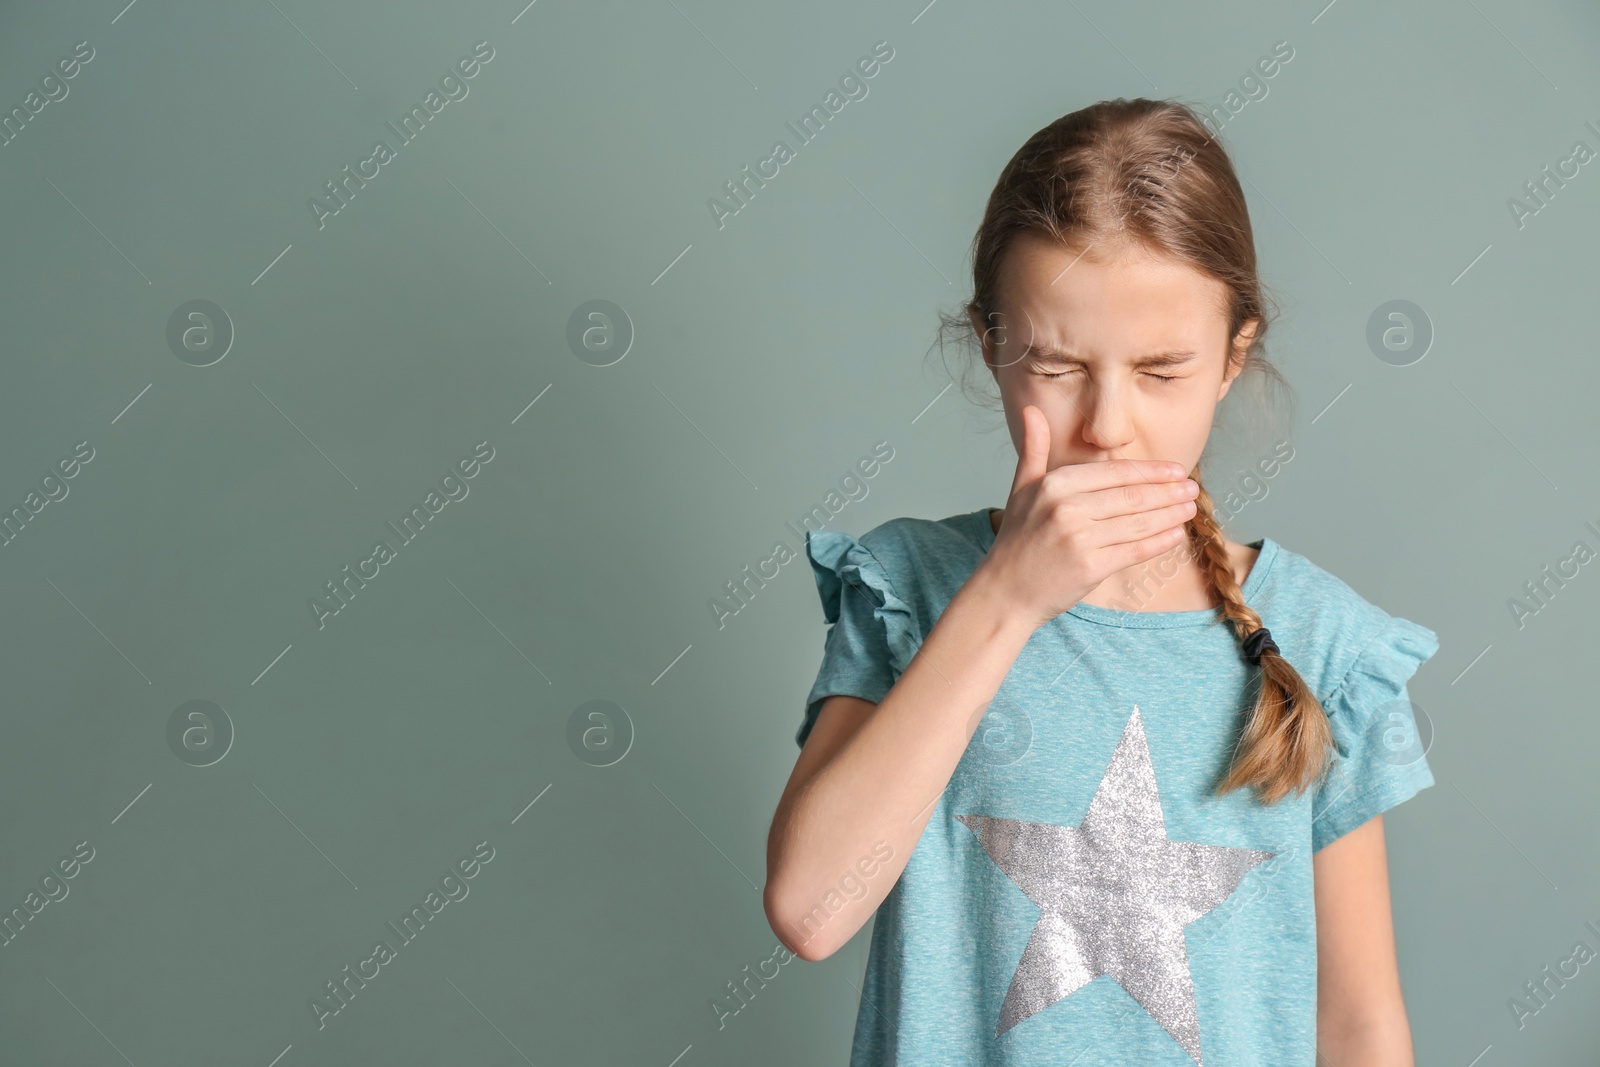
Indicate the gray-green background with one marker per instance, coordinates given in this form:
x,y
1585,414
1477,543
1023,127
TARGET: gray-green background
x,y
767,356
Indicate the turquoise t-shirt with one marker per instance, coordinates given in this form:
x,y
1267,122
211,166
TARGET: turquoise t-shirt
x,y
1080,894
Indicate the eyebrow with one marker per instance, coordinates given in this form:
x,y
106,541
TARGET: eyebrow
x,y
1041,354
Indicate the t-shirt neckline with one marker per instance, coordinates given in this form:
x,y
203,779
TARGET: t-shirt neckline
x,y
1267,555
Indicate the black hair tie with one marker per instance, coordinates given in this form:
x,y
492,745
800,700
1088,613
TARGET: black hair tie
x,y
1258,642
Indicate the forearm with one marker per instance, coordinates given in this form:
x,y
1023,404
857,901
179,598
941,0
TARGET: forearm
x,y
882,784
1379,1040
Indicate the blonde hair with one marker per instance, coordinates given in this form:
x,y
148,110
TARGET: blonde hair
x,y
1150,174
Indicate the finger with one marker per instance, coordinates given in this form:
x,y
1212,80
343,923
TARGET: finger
x,y
1099,475
1154,525
1132,553
1034,458
1138,498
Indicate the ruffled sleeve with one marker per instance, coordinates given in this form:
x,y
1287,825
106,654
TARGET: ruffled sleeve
x,y
1380,760
874,631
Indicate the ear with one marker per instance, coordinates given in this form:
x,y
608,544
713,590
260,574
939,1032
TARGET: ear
x,y
1237,355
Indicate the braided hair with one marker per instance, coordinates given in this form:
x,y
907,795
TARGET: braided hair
x,y
1151,174
1285,740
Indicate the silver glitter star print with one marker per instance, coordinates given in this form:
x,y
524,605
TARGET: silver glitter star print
x,y
1114,896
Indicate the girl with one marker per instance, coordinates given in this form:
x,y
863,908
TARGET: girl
x,y
1111,783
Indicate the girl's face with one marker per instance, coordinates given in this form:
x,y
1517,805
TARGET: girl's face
x,y
1126,357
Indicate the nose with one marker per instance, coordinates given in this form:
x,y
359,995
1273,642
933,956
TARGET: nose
x,y
1107,423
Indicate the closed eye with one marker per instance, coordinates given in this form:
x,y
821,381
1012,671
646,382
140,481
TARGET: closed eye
x,y
1158,377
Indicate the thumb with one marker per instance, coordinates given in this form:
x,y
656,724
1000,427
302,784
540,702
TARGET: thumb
x,y
1034,457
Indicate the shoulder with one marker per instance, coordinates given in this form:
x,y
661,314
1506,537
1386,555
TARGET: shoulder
x,y
1330,626
912,539
918,559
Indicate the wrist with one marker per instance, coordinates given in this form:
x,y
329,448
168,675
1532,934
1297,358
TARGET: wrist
x,y
1005,615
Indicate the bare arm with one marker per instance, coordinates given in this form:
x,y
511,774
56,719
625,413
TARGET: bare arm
x,y
866,782
1361,1018
843,799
